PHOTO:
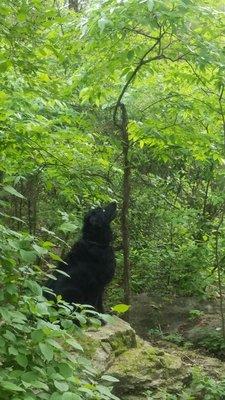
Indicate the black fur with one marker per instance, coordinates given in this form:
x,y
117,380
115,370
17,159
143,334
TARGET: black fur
x,y
90,262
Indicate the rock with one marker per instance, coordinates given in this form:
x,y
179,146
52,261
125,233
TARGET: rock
x,y
145,368
120,335
141,368
109,342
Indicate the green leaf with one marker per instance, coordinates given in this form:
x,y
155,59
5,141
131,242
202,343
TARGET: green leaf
x,y
104,390
17,316
29,377
56,396
42,308
40,385
61,385
60,271
46,351
28,256
102,22
54,343
40,250
12,387
4,65
37,336
74,344
85,93
10,336
150,4
68,227
109,378
13,191
65,370
3,95
71,396
121,308
22,360
12,350
55,257
34,287
48,245
108,318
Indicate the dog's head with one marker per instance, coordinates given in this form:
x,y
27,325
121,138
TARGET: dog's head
x,y
102,216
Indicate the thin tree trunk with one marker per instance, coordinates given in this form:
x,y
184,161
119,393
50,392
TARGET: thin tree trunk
x,y
74,4
145,59
29,215
218,266
219,275
125,204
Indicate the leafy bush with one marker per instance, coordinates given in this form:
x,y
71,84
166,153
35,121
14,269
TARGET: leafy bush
x,y
40,354
200,387
204,387
195,314
173,337
210,340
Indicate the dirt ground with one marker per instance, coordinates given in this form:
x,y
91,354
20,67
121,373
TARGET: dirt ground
x,y
184,316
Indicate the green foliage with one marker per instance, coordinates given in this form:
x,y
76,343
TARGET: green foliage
x,y
201,387
206,387
60,79
195,314
38,341
174,337
210,340
62,73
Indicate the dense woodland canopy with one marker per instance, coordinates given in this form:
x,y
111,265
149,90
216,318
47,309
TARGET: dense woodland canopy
x,y
106,100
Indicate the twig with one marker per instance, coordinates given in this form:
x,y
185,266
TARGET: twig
x,y
133,75
142,33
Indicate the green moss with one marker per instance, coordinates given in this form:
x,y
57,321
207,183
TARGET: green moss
x,y
89,345
141,360
121,342
172,363
140,367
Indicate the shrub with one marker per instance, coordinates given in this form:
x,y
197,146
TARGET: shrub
x,y
40,354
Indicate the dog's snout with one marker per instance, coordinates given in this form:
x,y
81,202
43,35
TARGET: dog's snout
x,y
111,210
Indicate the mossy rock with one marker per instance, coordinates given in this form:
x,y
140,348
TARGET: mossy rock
x,y
142,368
107,343
147,368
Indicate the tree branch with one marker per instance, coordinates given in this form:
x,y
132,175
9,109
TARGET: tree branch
x,y
142,33
133,75
222,113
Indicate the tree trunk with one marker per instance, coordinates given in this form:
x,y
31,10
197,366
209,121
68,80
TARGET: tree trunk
x,y
125,204
219,274
74,4
1,176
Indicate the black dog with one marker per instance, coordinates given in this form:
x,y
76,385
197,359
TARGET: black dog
x,y
90,262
